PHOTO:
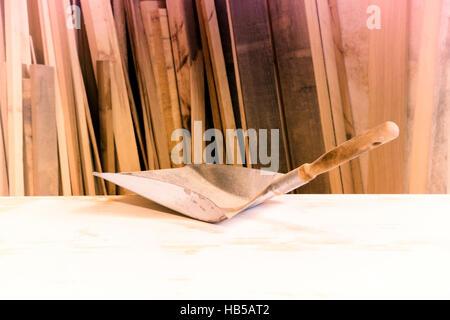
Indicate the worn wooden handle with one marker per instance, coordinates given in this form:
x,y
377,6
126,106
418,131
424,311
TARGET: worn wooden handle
x,y
349,150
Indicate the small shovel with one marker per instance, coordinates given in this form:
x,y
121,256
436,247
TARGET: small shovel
x,y
213,193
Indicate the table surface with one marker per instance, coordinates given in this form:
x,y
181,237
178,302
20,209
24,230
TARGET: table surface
x,y
293,247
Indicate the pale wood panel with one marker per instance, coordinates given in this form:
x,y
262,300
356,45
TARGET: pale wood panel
x,y
2,35
27,138
68,46
298,87
44,131
207,12
425,98
107,148
51,59
338,90
388,58
305,247
258,83
147,83
63,71
326,115
121,27
103,43
4,188
170,67
185,45
214,104
17,53
169,105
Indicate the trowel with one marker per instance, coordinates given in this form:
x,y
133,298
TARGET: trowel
x,y
214,193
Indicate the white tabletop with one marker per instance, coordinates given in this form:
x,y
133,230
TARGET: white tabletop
x,y
293,247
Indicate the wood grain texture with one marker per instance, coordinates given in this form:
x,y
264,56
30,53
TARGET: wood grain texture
x,y
168,103
421,142
103,43
170,67
52,58
4,188
27,138
320,72
185,45
338,92
298,87
147,83
107,147
347,109
44,131
88,147
379,247
121,27
212,94
251,36
206,10
2,34
17,53
388,56
64,74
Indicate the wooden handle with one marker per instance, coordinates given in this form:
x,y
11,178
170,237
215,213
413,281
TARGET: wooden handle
x,y
349,150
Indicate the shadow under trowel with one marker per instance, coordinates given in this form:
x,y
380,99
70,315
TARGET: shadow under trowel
x,y
141,202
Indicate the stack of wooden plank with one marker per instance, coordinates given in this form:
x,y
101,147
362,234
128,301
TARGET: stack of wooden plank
x,y
102,85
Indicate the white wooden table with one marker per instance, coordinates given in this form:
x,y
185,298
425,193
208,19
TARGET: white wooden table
x,y
293,247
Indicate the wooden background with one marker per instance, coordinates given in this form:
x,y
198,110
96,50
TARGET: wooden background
x,y
107,96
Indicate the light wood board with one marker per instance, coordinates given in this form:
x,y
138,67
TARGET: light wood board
x,y
421,140
148,89
51,59
260,97
17,53
298,87
303,246
107,147
388,58
44,131
185,46
168,102
103,43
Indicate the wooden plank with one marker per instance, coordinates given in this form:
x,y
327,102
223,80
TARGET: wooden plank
x,y
51,58
64,74
185,45
298,87
107,148
170,108
44,131
103,44
121,27
17,53
4,188
326,116
4,102
207,13
329,47
171,76
250,28
425,98
27,138
207,10
147,84
388,60
2,35
215,111
336,37
72,70
198,115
